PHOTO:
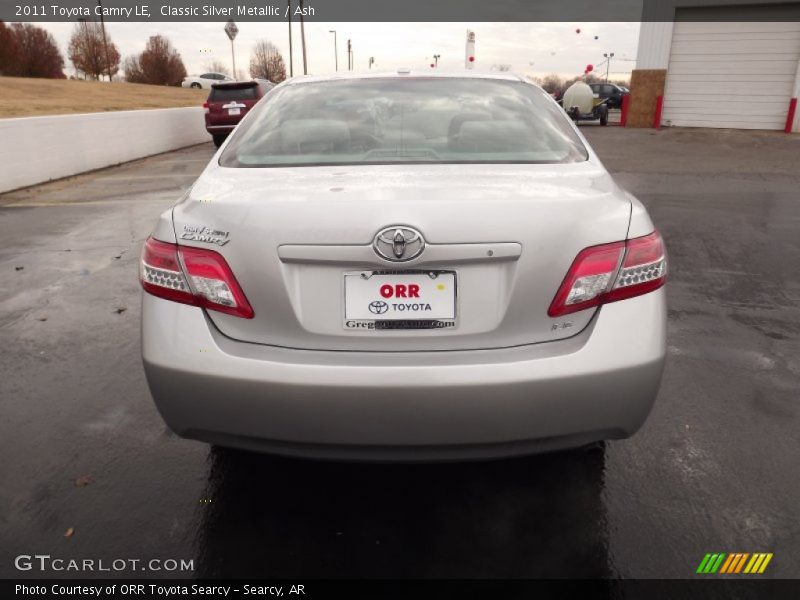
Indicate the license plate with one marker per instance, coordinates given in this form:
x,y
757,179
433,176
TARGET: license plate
x,y
234,111
399,300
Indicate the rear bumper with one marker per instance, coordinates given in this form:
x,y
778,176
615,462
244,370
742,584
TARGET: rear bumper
x,y
219,129
599,384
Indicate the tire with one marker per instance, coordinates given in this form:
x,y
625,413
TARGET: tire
x,y
603,116
196,86
218,139
574,113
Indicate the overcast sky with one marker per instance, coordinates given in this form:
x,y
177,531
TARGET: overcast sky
x,y
530,48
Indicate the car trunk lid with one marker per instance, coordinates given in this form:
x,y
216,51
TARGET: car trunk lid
x,y
507,233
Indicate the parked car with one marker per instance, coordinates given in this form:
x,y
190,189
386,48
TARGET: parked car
x,y
610,92
228,102
205,81
408,265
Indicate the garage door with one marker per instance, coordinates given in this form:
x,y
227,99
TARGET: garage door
x,y
733,74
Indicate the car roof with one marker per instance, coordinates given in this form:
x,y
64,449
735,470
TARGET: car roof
x,y
409,73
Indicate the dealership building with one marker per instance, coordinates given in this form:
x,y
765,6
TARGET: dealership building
x,y
702,63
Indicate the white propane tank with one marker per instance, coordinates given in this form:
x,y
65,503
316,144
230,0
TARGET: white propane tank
x,y
579,95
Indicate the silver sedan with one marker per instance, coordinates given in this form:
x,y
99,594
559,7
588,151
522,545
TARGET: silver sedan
x,y
205,81
404,266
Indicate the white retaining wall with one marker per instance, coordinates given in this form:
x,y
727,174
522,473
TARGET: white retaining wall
x,y
38,149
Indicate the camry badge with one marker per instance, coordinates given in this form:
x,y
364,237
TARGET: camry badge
x,y
207,235
398,243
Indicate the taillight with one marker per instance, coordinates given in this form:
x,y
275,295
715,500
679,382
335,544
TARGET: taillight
x,y
205,107
161,274
612,272
193,276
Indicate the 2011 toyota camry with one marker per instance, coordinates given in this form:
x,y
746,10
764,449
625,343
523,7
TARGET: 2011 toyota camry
x,y
404,266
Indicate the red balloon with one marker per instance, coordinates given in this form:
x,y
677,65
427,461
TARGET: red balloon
x,y
578,30
589,68
471,59
432,65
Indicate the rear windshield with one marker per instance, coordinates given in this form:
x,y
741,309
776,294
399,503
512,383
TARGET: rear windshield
x,y
226,94
400,120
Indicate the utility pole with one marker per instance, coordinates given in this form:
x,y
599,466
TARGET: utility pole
x,y
608,56
291,56
105,43
349,55
303,39
371,61
335,50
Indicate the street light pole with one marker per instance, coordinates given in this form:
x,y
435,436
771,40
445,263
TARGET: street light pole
x,y
291,55
335,50
303,39
349,55
608,56
436,58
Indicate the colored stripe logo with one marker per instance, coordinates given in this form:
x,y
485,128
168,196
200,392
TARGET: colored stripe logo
x,y
735,563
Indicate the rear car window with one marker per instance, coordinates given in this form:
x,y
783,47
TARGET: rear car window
x,y
401,120
228,94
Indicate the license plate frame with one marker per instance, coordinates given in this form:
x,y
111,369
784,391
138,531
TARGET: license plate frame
x,y
357,319
234,112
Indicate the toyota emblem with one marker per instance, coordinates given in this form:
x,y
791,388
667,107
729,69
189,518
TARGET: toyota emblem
x,y
378,307
398,243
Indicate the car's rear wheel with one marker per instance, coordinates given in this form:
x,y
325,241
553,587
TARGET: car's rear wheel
x,y
218,139
196,86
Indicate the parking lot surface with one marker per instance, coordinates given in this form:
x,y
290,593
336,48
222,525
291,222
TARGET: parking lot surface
x,y
89,470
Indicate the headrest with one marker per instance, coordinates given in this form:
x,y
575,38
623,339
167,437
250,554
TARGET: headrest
x,y
312,136
492,136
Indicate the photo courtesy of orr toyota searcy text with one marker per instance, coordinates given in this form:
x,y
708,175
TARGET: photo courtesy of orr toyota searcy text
x,y
160,591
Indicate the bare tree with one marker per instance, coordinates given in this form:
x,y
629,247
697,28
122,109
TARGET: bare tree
x,y
9,51
133,70
87,51
217,66
266,62
552,83
38,54
589,78
159,64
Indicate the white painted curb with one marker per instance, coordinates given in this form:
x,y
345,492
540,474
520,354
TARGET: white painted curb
x,y
37,149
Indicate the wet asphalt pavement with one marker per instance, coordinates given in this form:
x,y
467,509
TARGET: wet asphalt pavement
x,y
715,468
